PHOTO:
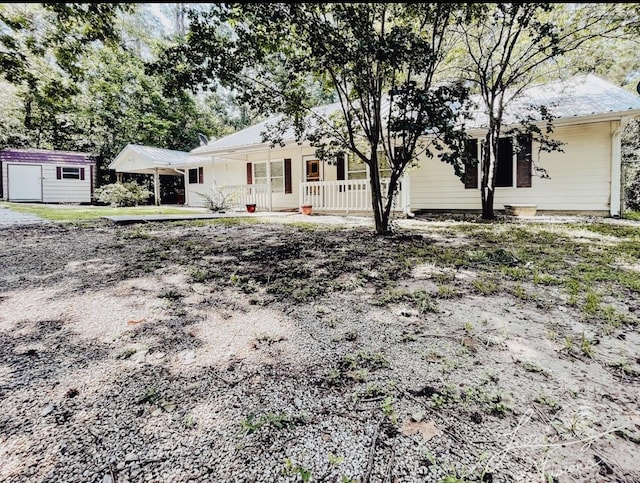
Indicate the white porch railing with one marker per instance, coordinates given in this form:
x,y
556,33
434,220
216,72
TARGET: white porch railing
x,y
347,195
238,196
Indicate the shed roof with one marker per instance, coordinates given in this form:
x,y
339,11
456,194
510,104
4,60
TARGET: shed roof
x,y
572,99
135,158
47,156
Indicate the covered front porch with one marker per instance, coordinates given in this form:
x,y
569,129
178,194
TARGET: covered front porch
x,y
323,196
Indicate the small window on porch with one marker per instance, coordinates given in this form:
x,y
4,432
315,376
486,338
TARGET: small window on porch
x,y
356,169
277,175
196,176
383,165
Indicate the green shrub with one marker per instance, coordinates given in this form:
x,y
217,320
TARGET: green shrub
x,y
123,194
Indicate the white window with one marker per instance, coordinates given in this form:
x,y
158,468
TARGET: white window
x,y
356,169
277,175
383,165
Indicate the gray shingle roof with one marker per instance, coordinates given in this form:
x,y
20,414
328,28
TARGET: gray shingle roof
x,y
577,97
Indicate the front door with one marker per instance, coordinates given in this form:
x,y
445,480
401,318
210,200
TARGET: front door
x,y
313,170
312,174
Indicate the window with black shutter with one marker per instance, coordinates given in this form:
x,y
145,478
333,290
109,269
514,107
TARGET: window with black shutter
x,y
471,167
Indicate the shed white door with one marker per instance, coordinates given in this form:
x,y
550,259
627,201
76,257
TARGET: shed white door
x,y
25,182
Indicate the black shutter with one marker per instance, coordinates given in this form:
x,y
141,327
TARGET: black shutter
x,y
81,174
200,175
340,163
471,169
58,172
287,176
523,163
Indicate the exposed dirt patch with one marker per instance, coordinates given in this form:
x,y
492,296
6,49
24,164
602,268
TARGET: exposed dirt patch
x,y
267,352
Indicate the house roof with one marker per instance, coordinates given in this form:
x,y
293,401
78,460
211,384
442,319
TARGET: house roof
x,y
572,99
135,158
578,97
49,156
252,135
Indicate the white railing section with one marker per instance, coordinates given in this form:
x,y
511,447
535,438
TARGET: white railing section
x,y
238,196
347,195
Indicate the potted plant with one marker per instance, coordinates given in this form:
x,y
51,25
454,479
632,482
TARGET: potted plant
x,y
251,207
305,209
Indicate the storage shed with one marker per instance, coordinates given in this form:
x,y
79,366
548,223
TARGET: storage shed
x,y
40,175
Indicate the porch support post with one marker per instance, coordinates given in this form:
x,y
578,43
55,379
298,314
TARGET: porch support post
x,y
300,181
156,186
406,196
119,177
269,193
616,169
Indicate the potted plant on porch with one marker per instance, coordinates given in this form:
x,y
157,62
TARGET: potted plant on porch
x,y
251,207
306,209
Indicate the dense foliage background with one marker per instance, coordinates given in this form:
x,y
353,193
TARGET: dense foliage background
x,y
85,77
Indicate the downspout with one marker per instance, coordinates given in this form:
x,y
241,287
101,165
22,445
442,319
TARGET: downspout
x,y
616,169
406,196
269,192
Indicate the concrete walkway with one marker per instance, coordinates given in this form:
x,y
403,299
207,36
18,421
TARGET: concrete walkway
x,y
131,219
266,216
13,218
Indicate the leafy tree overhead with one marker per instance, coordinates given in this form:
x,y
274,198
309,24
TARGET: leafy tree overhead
x,y
512,45
73,78
381,60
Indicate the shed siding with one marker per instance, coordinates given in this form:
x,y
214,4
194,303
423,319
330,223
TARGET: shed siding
x,y
53,190
65,190
580,177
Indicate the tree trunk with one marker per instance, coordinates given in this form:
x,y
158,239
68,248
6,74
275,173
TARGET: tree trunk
x,y
487,204
380,215
489,169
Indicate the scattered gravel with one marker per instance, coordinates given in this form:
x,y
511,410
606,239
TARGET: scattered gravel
x,y
182,352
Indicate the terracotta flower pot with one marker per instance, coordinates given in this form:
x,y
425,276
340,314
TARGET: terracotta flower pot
x,y
305,209
251,208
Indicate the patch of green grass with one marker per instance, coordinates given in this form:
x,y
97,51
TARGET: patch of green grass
x,y
486,286
88,212
632,215
447,292
420,299
534,368
253,423
364,360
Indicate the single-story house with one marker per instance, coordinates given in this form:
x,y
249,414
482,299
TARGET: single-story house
x,y
150,160
46,176
591,114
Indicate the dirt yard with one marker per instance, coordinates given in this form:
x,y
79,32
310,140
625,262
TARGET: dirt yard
x,y
240,351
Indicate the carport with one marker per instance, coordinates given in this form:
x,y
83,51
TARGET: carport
x,y
137,159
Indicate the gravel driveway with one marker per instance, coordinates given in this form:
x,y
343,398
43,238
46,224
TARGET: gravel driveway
x,y
9,217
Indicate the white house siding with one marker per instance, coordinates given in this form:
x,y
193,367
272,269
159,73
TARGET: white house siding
x,y
579,177
65,190
195,189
